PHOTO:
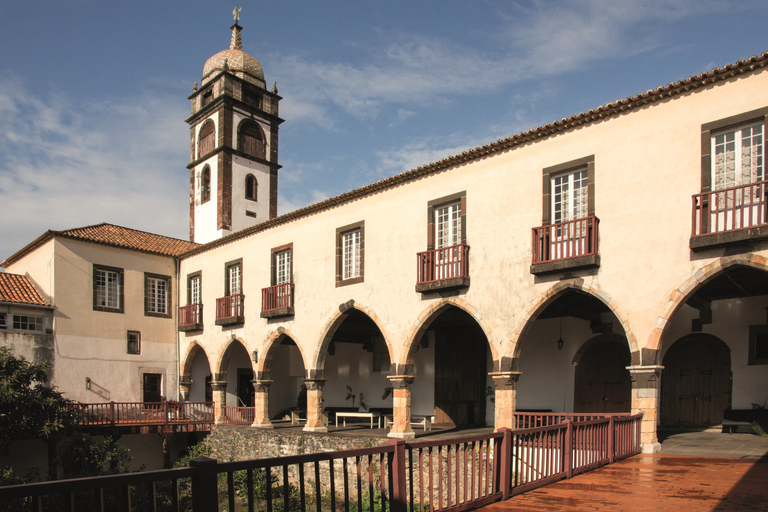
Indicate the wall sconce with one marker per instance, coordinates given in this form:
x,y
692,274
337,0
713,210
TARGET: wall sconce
x,y
560,341
87,383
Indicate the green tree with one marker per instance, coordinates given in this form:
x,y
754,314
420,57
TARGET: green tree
x,y
29,408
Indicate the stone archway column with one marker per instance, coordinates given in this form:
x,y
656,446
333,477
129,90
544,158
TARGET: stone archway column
x,y
261,404
645,399
506,399
315,421
401,407
185,387
219,388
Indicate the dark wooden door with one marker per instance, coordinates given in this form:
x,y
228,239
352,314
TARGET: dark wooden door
x,y
695,382
602,383
151,385
245,390
460,375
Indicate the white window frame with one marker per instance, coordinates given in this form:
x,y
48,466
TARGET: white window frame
x,y
235,279
157,295
194,290
283,267
351,242
107,288
570,195
133,337
731,142
448,225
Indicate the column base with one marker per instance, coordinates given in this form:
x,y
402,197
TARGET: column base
x,y
402,435
267,425
315,429
654,447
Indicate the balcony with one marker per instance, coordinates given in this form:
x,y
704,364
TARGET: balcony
x,y
191,317
442,269
229,310
277,301
565,246
729,216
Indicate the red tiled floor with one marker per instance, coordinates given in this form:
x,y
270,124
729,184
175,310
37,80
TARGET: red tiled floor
x,y
654,482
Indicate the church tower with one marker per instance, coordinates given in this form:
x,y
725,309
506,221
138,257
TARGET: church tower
x,y
233,145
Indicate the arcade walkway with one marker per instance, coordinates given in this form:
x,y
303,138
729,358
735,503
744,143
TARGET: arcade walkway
x,y
654,482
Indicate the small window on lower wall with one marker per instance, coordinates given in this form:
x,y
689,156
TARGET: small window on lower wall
x,y
3,321
758,344
28,323
134,342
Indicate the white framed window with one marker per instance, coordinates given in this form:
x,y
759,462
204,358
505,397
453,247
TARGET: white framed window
x,y
350,242
283,267
157,295
570,196
107,288
234,279
737,156
28,323
448,225
134,342
193,290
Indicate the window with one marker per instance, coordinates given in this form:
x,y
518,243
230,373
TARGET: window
x,y
251,188
234,275
250,140
737,156
758,344
28,323
134,342
281,264
570,196
350,254
206,97
445,263
252,95
193,289
157,295
107,289
206,139
447,220
205,185
3,321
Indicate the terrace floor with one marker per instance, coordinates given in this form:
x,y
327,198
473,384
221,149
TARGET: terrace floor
x,y
654,482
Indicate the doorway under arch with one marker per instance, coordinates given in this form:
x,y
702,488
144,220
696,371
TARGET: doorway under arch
x,y
602,382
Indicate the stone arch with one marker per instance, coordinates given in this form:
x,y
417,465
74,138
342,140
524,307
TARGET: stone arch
x,y
594,341
552,294
263,366
224,355
680,295
425,320
192,351
330,329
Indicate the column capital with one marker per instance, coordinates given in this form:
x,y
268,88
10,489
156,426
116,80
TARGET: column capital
x,y
505,380
645,376
261,384
219,385
401,381
314,384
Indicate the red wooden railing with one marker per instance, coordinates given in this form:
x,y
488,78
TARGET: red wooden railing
x,y
545,419
125,414
441,264
450,475
730,209
565,240
237,415
190,315
230,306
279,296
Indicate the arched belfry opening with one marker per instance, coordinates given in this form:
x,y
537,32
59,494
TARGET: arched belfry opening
x,y
574,358
714,349
357,363
451,362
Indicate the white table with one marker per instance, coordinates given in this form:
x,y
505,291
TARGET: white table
x,y
370,415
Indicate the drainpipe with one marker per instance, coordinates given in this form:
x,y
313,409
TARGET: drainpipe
x,y
177,263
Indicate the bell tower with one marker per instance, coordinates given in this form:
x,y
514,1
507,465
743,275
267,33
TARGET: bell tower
x,y
233,145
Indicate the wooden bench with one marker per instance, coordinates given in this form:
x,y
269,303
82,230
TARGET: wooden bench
x,y
299,415
358,414
417,420
735,418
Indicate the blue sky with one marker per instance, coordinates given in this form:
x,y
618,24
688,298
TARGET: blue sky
x,y
93,95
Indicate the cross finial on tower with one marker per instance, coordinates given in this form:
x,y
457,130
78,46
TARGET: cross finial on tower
x,y
236,13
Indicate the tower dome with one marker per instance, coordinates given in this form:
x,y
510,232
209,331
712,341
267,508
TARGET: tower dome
x,y
235,60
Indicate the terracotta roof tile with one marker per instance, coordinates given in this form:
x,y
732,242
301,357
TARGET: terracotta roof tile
x,y
19,289
115,236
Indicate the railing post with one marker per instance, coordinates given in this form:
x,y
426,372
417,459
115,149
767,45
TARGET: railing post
x,y
611,440
505,462
165,412
568,449
398,498
205,493
112,413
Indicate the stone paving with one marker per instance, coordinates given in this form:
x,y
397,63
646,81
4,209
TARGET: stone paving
x,y
654,482
713,443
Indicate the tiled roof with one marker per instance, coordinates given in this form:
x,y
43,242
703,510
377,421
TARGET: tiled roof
x,y
115,236
19,289
601,113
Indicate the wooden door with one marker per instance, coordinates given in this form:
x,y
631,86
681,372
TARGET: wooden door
x,y
460,376
151,385
695,382
602,383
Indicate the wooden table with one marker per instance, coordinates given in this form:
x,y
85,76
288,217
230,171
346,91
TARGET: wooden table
x,y
370,415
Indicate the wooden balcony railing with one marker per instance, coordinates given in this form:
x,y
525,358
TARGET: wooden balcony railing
x,y
238,415
565,240
446,475
137,414
730,209
230,310
190,317
277,298
449,264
